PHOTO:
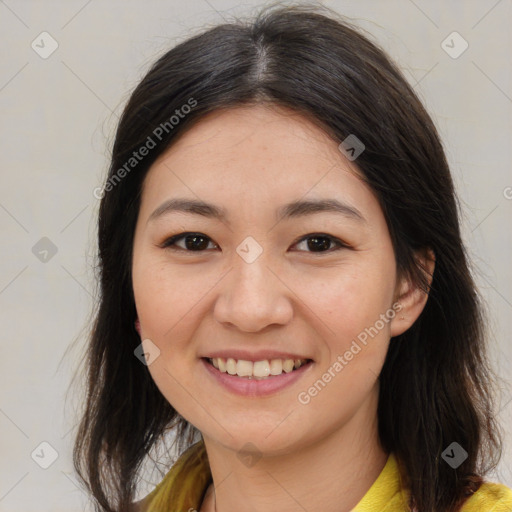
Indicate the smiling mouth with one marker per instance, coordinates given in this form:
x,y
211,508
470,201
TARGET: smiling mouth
x,y
257,370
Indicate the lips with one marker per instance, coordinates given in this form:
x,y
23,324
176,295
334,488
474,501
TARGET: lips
x,y
251,386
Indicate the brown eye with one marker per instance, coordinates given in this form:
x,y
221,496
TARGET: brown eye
x,y
193,242
321,243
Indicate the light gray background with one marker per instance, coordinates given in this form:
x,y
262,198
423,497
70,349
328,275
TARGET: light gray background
x,y
57,121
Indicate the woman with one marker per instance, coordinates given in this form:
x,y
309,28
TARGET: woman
x,y
284,287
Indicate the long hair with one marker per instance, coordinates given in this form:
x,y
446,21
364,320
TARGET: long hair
x,y
436,385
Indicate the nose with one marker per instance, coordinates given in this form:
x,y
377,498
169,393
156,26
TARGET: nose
x,y
252,296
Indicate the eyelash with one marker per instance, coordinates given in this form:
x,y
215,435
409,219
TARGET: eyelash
x,y
170,243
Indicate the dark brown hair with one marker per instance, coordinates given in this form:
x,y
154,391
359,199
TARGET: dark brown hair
x,y
435,386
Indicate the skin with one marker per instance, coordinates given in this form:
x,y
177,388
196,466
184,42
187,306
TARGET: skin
x,y
326,454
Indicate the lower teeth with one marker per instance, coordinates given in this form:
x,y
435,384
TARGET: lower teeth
x,y
257,378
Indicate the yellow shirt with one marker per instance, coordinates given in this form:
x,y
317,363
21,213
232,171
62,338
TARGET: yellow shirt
x,y
184,486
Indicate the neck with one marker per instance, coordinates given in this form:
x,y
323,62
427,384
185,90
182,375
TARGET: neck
x,y
332,474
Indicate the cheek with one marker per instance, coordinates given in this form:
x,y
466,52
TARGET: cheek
x,y
349,301
168,302
355,330
355,340
165,295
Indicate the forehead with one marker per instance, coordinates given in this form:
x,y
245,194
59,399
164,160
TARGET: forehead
x,y
272,132
246,157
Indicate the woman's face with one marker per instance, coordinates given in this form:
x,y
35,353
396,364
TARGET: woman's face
x,y
257,285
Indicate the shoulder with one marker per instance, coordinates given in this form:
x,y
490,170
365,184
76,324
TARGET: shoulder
x,y
490,497
147,504
140,506
186,481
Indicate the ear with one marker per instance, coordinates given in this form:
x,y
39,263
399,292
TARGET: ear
x,y
137,326
410,297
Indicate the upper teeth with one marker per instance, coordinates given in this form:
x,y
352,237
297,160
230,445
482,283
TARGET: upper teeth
x,y
258,369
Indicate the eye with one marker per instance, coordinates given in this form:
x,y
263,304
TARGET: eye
x,y
198,242
319,242
194,242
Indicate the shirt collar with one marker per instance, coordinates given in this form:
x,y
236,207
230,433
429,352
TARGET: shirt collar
x,y
186,483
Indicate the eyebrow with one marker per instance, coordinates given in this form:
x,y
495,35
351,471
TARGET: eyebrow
x,y
290,210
